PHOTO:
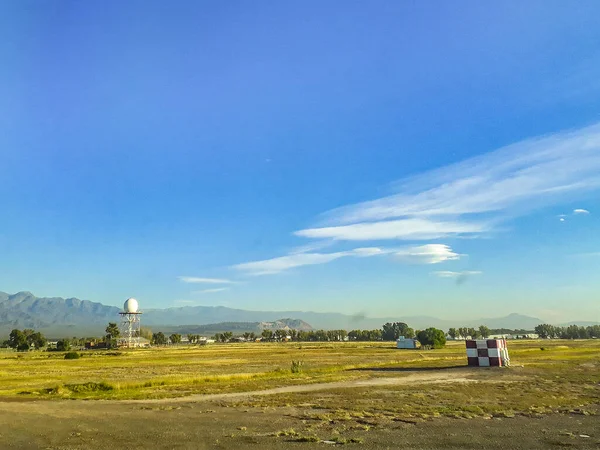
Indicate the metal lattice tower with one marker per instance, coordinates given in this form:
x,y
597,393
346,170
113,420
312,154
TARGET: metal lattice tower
x,y
130,329
130,324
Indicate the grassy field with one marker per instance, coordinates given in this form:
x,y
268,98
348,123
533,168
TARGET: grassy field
x,y
571,367
363,394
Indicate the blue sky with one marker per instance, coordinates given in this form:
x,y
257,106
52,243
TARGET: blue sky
x,y
386,158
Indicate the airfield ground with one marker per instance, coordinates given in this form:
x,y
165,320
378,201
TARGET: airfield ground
x,y
360,395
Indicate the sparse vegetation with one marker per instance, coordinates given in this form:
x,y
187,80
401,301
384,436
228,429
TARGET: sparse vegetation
x,y
559,377
296,366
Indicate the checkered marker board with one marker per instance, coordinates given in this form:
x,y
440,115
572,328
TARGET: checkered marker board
x,y
487,352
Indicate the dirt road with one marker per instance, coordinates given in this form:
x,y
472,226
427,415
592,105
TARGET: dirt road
x,y
411,378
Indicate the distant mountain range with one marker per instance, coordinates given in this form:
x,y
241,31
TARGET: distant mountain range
x,y
238,327
58,317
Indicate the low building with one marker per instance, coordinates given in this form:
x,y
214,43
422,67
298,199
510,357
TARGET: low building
x,y
403,342
92,345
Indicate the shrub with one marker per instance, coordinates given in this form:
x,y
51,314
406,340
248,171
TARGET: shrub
x,y
72,355
296,366
63,345
89,387
432,337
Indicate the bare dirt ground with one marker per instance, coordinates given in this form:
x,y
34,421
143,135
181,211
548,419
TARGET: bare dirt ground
x,y
100,425
218,422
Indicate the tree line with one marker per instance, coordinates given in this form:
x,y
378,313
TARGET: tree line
x,y
27,339
482,332
546,331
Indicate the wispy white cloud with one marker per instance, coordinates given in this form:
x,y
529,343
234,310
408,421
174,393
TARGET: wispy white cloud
x,y
451,274
200,280
428,254
208,291
406,229
422,254
282,263
467,199
313,246
453,200
580,211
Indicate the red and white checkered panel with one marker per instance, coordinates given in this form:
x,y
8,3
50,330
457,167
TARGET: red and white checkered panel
x,y
487,352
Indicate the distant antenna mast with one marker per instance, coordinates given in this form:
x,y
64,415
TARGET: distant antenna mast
x,y
130,323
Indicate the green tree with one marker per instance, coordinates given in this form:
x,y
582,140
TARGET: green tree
x,y
16,338
594,331
37,339
23,347
432,337
281,334
484,331
226,336
453,333
63,345
112,334
320,336
175,338
159,338
392,331
388,332
473,333
267,335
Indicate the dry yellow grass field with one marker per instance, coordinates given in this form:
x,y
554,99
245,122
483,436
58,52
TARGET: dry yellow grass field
x,y
356,394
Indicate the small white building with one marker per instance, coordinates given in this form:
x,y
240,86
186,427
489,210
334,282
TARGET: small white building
x,y
403,342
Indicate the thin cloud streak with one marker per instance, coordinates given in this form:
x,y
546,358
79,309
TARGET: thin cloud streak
x,y
408,229
580,211
428,254
423,254
282,263
200,280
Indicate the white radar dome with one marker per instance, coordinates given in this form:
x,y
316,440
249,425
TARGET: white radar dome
x,y
131,305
